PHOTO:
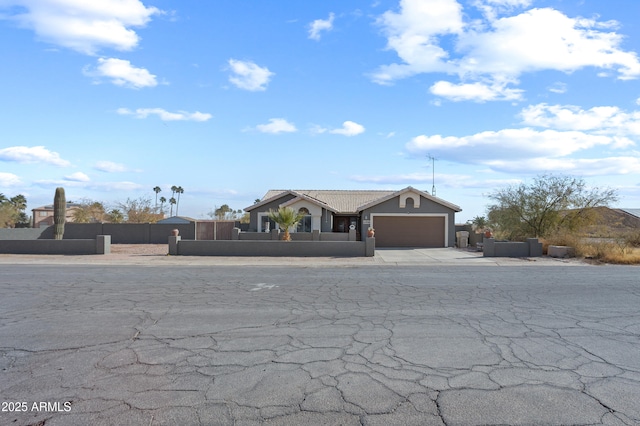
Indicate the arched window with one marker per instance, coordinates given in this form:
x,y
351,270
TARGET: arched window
x,y
410,203
305,223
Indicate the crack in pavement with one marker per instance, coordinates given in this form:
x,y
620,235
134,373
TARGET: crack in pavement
x,y
404,345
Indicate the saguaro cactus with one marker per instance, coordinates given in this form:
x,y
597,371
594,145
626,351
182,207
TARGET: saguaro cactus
x,y
59,211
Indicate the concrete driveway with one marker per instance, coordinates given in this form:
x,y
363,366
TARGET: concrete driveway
x,y
452,256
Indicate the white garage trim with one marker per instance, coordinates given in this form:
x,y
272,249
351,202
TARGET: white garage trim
x,y
445,215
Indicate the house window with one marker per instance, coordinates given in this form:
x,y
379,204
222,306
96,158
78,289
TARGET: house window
x,y
43,214
266,224
305,223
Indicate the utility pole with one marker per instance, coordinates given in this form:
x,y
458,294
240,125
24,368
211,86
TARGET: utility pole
x,y
433,174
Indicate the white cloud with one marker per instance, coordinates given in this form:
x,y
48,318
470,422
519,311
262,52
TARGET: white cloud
x,y
496,49
249,76
33,154
478,92
83,25
508,143
412,34
110,167
425,180
558,88
8,179
349,128
166,115
541,39
277,125
609,120
122,73
576,166
77,177
124,186
492,8
319,25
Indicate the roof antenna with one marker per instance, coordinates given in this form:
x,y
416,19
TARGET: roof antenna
x,y
433,173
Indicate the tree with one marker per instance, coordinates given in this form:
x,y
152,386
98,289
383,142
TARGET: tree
x,y
139,211
286,218
19,202
221,212
224,212
8,215
157,190
89,211
115,216
548,204
12,212
172,201
179,191
162,201
478,223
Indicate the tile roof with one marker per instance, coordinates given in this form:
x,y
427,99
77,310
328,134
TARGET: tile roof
x,y
343,201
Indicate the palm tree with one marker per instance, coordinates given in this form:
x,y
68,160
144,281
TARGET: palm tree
x,y
162,201
172,201
157,189
286,218
179,191
19,202
116,216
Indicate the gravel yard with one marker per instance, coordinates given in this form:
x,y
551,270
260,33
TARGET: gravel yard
x,y
140,249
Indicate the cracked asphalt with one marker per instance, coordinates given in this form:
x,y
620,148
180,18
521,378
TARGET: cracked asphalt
x,y
350,345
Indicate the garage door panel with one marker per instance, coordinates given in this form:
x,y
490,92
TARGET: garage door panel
x,y
413,231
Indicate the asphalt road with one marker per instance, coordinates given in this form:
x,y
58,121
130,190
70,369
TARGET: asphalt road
x,y
372,345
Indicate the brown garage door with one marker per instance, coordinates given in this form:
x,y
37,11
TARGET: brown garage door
x,y
412,231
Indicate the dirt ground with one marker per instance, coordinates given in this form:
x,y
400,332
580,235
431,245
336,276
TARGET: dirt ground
x,y
140,249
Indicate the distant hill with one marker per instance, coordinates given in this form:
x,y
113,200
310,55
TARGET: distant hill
x,y
614,221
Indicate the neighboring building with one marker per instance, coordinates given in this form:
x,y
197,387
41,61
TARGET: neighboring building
x,y
632,212
405,218
177,220
43,216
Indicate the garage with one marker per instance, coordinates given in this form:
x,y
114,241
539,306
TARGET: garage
x,y
410,231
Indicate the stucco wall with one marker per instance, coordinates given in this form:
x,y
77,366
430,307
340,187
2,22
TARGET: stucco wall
x,y
530,248
392,206
121,233
273,205
275,248
101,245
21,233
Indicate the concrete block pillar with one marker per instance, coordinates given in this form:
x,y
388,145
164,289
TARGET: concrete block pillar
x,y
235,234
173,244
489,247
352,234
315,235
370,247
535,247
103,244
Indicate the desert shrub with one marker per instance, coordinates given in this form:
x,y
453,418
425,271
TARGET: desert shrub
x,y
614,250
627,257
633,238
564,238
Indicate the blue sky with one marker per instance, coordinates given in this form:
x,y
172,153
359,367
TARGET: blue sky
x,y
229,99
